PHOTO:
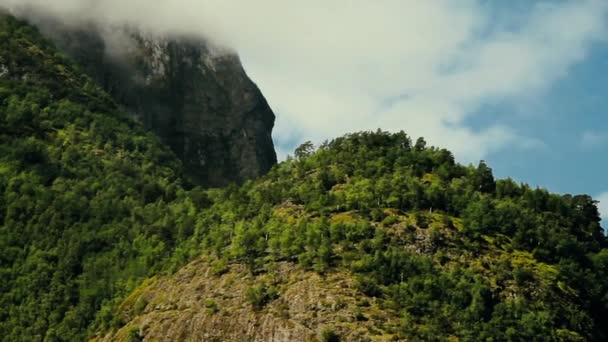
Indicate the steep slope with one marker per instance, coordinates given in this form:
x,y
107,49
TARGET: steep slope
x,y
409,244
81,188
196,97
368,237
198,304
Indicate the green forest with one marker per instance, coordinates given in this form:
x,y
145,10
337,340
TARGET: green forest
x,y
92,205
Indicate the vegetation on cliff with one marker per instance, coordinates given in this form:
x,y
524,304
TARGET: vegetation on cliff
x,y
91,206
83,192
201,103
452,250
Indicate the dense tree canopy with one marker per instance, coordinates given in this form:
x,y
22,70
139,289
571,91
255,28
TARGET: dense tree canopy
x,y
91,205
83,214
451,248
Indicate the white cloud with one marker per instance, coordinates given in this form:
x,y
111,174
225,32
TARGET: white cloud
x,y
603,206
592,139
333,66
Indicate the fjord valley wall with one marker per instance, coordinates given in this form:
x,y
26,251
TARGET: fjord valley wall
x,y
368,237
193,95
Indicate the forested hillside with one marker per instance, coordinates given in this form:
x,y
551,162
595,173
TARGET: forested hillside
x,y
448,248
82,213
92,207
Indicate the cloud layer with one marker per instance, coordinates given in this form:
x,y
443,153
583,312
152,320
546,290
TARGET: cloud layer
x,y
333,66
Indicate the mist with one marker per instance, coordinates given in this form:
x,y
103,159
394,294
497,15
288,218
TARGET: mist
x,y
329,67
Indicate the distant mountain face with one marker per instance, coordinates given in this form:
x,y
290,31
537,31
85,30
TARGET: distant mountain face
x,y
369,237
197,99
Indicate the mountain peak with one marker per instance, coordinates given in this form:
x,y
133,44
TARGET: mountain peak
x,y
191,93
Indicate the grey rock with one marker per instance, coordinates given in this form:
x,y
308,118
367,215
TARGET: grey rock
x,y
195,97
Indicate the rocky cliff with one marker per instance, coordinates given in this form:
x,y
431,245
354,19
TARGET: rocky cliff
x,y
197,98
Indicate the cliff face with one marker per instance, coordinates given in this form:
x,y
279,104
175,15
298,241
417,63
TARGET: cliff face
x,y
197,99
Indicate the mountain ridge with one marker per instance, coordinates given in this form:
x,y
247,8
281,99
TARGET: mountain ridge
x,y
195,96
100,236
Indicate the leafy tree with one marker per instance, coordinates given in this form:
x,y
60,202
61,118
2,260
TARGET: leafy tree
x,y
484,179
420,144
260,295
91,205
304,150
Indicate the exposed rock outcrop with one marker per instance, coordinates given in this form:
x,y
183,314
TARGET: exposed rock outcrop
x,y
196,305
195,97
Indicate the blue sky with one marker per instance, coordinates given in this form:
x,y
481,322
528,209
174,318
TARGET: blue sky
x,y
571,119
554,134
519,83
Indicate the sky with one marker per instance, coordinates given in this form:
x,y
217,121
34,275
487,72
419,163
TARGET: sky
x,y
519,83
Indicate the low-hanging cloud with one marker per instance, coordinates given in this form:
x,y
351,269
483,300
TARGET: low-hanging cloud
x,y
334,66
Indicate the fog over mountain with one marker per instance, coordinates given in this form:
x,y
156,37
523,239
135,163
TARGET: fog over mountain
x,y
329,67
141,198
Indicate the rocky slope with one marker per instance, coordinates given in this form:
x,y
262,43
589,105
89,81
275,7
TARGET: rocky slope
x,y
197,304
448,253
196,97
368,236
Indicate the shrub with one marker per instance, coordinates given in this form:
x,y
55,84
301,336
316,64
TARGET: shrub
x,y
211,306
368,286
140,305
134,335
328,334
260,295
219,267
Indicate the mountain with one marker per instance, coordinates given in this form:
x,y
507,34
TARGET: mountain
x,y
372,237
195,96
369,237
77,177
